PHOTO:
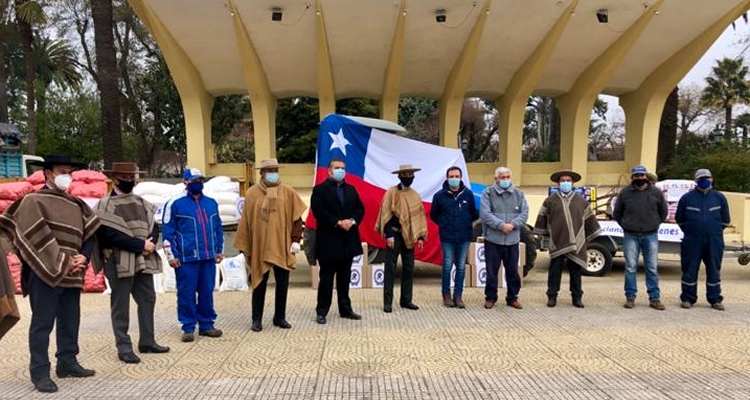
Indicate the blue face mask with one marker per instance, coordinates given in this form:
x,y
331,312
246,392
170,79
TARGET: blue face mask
x,y
504,183
272,177
195,187
454,182
704,184
566,187
339,174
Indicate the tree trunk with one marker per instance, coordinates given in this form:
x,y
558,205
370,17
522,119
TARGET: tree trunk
x,y
27,39
109,92
3,81
667,132
728,122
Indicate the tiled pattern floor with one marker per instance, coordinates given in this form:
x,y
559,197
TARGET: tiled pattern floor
x,y
601,352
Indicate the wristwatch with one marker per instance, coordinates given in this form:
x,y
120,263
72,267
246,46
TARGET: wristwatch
x,y
354,222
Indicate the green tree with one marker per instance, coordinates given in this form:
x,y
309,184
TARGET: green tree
x,y
727,87
28,15
70,125
296,129
231,130
667,132
541,131
107,80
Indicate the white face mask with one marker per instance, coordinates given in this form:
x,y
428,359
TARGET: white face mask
x,y
63,181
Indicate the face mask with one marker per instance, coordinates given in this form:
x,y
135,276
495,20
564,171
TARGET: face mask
x,y
704,184
272,177
62,182
406,182
504,183
339,174
566,187
640,182
454,182
195,187
125,186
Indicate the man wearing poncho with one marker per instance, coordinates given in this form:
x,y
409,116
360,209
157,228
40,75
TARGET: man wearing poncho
x,y
53,234
567,219
269,233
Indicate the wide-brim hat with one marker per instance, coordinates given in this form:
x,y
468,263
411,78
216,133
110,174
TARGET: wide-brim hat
x,y
124,167
57,159
268,163
406,168
555,177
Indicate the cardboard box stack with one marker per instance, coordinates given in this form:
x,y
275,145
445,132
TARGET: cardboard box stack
x,y
479,268
360,272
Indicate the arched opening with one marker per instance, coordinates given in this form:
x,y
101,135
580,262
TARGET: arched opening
x,y
606,130
541,130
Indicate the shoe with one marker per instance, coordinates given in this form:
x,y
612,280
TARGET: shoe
x,y
154,348
45,385
387,308
551,301
351,315
717,306
129,358
448,301
257,326
526,269
515,304
489,304
410,306
629,302
686,304
321,319
214,333
282,323
74,371
578,303
188,337
459,302
656,305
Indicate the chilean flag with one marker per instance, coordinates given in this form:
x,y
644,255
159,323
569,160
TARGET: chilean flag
x,y
370,156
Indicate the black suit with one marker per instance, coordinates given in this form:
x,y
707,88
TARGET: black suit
x,y
335,247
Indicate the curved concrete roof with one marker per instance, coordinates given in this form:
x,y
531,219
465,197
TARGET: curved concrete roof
x,y
360,36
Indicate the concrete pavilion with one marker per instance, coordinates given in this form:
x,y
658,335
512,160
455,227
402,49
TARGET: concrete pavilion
x,y
496,49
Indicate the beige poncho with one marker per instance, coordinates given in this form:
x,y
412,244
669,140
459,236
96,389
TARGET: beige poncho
x,y
9,313
264,232
406,205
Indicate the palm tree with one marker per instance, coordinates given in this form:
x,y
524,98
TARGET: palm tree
x,y
55,62
727,87
29,14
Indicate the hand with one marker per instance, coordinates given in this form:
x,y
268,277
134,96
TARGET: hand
x,y
295,248
345,224
77,264
507,228
420,244
218,257
148,247
390,242
174,263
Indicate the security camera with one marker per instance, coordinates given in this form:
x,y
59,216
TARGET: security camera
x,y
440,16
603,16
277,14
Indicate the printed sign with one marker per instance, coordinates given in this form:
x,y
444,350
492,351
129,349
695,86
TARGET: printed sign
x,y
378,275
355,279
667,232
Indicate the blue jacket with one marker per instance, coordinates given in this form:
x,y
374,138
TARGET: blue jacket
x,y
454,212
702,214
499,206
193,228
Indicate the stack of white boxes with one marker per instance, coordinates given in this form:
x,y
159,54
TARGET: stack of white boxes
x,y
476,258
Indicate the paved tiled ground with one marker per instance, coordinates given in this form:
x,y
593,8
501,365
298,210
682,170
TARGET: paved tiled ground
x,y
601,352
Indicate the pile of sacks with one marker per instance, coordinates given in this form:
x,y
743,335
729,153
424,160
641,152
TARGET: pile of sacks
x,y
12,191
231,275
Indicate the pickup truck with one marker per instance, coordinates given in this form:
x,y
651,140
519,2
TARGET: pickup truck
x,y
16,165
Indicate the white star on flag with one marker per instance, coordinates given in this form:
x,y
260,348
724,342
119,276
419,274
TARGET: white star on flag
x,y
339,141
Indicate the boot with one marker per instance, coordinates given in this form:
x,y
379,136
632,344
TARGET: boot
x,y
459,302
447,301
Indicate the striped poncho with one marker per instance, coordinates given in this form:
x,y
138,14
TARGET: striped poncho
x,y
569,223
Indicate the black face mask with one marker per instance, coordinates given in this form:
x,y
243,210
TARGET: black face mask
x,y
640,182
406,182
125,186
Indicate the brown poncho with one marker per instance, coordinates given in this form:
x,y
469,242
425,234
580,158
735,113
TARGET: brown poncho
x,y
48,228
406,205
133,216
265,230
569,223
9,313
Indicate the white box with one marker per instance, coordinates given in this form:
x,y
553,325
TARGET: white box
x,y
377,275
355,280
467,275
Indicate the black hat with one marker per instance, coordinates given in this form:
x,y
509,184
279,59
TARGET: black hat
x,y
56,159
555,177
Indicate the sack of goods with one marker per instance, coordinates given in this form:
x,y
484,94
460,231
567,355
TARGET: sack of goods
x,y
12,191
233,274
226,193
168,279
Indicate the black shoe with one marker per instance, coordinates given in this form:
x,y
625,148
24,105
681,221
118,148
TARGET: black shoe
x,y
75,371
154,348
257,326
45,385
552,301
281,323
578,303
214,333
351,315
321,319
526,269
387,308
410,306
129,358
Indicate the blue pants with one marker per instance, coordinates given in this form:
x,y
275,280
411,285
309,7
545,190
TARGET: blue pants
x,y
196,277
693,250
508,255
454,254
647,244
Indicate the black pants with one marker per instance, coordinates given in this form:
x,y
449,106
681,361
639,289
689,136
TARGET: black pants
x,y
407,261
342,269
259,294
141,287
50,306
555,275
507,255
